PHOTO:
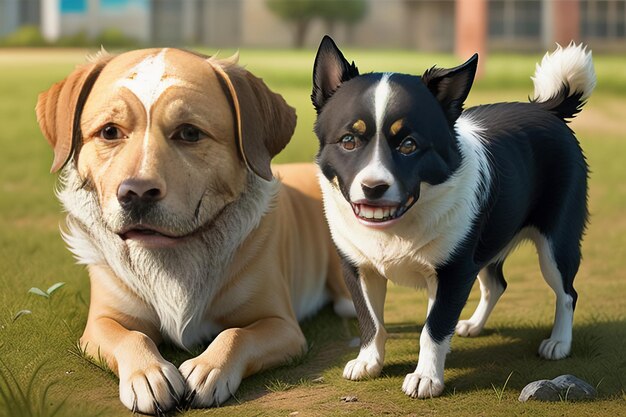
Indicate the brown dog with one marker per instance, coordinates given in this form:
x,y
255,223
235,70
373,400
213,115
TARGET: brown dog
x,y
186,234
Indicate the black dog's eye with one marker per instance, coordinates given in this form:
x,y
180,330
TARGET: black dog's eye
x,y
187,133
349,142
408,146
111,132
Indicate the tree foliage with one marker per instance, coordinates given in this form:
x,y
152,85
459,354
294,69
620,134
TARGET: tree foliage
x,y
302,12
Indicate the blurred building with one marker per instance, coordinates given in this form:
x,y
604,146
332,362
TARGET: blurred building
x,y
17,13
430,25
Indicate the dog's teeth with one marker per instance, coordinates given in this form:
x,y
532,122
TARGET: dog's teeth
x,y
367,212
378,213
392,211
386,212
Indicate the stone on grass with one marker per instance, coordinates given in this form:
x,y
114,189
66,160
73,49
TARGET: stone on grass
x,y
542,390
561,388
574,389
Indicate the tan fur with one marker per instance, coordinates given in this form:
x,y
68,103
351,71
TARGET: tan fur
x,y
272,265
396,126
359,127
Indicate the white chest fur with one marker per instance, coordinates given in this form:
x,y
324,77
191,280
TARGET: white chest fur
x,y
177,286
408,252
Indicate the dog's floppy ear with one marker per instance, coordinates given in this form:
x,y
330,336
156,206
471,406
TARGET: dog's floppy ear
x,y
451,86
330,70
264,121
59,109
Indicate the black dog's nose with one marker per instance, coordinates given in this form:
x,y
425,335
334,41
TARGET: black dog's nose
x,y
374,192
139,192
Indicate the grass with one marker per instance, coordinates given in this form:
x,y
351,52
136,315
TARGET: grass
x,y
43,373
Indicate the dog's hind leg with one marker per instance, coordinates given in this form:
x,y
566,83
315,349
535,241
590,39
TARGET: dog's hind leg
x,y
368,289
492,286
336,285
559,270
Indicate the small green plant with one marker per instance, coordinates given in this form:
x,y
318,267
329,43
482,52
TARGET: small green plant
x,y
563,397
278,385
500,392
20,314
48,293
99,362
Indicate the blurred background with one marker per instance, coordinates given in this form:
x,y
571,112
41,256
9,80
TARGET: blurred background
x,y
426,25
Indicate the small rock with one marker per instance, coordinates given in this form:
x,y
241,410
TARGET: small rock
x,y
574,389
561,388
319,380
349,399
542,390
294,414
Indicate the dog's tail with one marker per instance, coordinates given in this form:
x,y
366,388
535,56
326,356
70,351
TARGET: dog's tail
x,y
564,80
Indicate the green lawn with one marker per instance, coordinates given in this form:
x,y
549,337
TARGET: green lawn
x,y
42,372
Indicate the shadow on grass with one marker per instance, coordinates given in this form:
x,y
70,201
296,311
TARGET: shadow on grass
x,y
479,363
474,364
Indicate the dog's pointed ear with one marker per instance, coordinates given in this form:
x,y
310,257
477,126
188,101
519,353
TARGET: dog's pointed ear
x,y
451,86
60,107
330,70
264,122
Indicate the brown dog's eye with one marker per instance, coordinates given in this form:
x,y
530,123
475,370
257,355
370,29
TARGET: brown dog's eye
x,y
349,142
187,133
111,132
408,146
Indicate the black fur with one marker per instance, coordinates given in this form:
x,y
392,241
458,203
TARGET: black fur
x,y
329,75
451,86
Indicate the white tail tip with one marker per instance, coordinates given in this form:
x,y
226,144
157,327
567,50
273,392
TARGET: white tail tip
x,y
571,66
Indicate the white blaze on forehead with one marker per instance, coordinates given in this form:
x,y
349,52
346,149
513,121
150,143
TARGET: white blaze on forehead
x,y
148,80
381,98
376,171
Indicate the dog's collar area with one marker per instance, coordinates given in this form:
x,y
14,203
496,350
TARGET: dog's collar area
x,y
380,214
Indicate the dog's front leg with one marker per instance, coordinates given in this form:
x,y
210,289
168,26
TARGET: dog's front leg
x,y
447,297
368,290
148,383
215,375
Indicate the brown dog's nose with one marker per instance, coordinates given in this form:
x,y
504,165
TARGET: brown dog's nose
x,y
136,192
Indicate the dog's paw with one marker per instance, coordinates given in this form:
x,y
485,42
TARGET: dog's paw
x,y
155,389
554,349
417,385
468,328
358,369
208,385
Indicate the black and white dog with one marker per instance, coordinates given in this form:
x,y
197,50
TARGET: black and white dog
x,y
419,191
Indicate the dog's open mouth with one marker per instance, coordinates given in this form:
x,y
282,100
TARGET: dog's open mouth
x,y
150,237
380,215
